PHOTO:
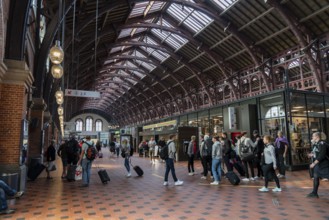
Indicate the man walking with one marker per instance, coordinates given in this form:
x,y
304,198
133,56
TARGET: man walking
x,y
170,162
86,160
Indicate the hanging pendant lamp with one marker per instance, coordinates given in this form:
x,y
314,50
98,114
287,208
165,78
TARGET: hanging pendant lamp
x,y
56,53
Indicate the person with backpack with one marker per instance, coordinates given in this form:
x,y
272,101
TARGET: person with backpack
x,y
170,148
227,151
259,149
151,144
320,165
88,154
216,160
205,153
269,165
63,155
281,149
246,153
191,151
50,157
125,148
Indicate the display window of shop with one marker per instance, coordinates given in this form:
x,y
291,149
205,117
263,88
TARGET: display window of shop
x,y
216,121
272,115
203,118
308,116
183,120
193,120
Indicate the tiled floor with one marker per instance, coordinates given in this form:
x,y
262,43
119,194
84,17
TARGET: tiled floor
x,y
146,198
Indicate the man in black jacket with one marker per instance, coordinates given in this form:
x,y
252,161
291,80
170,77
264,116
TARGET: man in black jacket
x,y
227,151
259,149
320,164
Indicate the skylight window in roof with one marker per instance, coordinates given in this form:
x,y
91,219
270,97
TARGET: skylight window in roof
x,y
144,8
131,80
172,40
139,74
224,4
191,18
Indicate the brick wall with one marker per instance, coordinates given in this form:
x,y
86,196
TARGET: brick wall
x,y
11,111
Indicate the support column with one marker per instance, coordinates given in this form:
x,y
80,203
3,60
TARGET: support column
x,y
36,132
13,109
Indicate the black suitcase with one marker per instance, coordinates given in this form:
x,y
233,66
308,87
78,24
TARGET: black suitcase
x,y
138,170
233,178
103,176
35,171
71,172
238,166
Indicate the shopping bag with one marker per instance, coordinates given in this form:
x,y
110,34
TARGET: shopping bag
x,y
78,173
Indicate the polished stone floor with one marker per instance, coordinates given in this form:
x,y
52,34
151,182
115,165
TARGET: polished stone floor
x,y
146,198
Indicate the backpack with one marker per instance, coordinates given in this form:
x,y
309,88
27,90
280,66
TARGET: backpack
x,y
244,148
164,152
91,152
207,148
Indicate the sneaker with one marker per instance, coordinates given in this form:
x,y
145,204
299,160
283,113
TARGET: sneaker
x,y
19,194
128,175
276,189
203,177
191,174
256,177
324,179
7,211
281,176
252,179
312,195
214,183
263,189
165,183
178,183
245,179
278,175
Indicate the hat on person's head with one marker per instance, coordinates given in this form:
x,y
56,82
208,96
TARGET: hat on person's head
x,y
255,132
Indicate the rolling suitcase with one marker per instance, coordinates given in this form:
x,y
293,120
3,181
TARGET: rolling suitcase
x,y
103,176
71,172
138,170
35,171
233,178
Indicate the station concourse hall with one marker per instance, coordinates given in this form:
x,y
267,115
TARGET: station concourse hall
x,y
101,99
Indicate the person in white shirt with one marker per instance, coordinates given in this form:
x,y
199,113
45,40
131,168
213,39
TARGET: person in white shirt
x,y
151,145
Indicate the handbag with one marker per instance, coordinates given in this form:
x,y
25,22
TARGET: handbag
x,y
247,156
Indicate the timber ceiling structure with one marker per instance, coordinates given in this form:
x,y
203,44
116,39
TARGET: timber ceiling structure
x,y
156,59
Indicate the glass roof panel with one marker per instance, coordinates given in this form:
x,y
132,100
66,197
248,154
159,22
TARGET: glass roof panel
x,y
189,17
172,40
144,8
224,4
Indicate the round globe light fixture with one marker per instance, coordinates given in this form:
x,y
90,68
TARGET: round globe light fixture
x,y
57,71
56,53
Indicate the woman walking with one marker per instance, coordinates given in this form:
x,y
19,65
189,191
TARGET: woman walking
x,y
269,165
126,153
191,151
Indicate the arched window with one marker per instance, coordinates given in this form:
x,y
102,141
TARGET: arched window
x,y
89,124
99,125
78,125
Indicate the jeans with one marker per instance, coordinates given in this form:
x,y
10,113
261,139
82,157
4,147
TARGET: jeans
x,y
206,163
127,163
86,170
216,169
5,189
170,166
190,165
251,167
117,151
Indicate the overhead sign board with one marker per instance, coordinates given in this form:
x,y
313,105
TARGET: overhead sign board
x,y
82,93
